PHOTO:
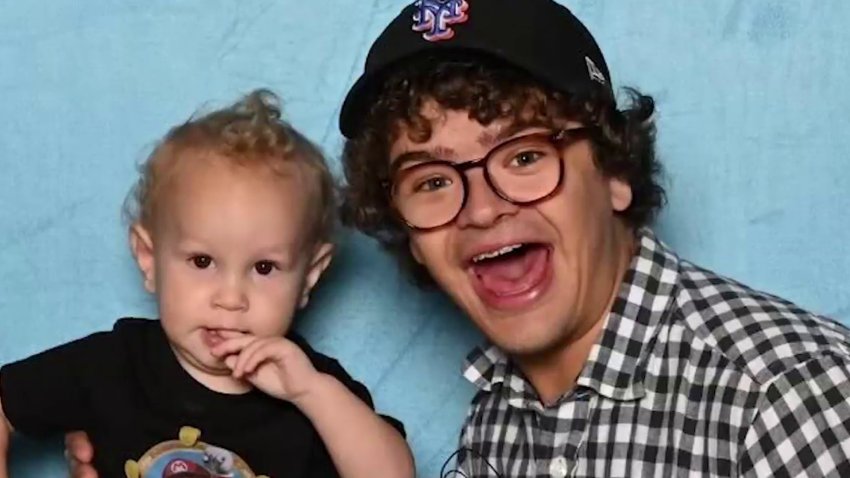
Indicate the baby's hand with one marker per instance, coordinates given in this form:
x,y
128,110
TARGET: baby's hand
x,y
275,365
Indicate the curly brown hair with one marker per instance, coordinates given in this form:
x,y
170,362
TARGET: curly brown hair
x,y
623,147
248,133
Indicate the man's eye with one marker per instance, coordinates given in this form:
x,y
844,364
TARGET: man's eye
x,y
433,184
525,158
201,261
265,268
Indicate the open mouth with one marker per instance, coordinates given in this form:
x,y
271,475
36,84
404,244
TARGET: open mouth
x,y
512,271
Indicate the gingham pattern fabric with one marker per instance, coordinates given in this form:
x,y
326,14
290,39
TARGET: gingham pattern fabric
x,y
693,375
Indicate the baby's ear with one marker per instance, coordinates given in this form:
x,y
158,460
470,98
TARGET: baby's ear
x,y
318,265
142,246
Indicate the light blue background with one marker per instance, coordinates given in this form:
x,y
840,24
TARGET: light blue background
x,y
754,112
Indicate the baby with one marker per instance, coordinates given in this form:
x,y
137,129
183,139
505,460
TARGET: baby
x,y
231,226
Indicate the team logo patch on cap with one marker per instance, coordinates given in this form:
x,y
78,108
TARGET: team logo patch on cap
x,y
435,17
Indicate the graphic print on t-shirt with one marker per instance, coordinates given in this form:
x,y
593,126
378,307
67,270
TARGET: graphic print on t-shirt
x,y
188,457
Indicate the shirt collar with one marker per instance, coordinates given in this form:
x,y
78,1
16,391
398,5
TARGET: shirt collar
x,y
615,366
489,369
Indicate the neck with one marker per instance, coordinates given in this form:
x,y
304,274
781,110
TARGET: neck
x,y
554,371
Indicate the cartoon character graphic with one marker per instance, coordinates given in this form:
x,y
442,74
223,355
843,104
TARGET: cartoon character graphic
x,y
179,468
219,461
188,457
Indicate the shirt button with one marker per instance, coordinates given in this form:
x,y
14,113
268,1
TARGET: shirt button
x,y
558,467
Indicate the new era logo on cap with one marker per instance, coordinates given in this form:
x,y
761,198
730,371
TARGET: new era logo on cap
x,y
435,17
594,71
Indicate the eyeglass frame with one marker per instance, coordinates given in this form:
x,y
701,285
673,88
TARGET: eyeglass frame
x,y
561,139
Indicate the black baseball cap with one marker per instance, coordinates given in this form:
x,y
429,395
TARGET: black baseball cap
x,y
541,37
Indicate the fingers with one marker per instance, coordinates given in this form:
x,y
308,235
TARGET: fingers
x,y
230,361
78,447
235,350
269,349
233,345
244,353
256,352
79,453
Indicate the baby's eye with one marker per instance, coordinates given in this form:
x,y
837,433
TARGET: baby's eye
x,y
265,268
201,261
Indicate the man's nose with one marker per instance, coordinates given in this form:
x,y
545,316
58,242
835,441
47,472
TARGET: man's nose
x,y
483,207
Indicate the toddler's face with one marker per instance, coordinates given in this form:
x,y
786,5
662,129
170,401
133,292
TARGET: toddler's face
x,y
228,257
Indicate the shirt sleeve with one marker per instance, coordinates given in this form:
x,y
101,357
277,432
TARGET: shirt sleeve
x,y
802,428
47,392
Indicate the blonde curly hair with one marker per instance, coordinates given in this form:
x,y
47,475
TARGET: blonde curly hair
x,y
250,132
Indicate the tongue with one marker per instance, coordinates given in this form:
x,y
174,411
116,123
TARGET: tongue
x,y
514,273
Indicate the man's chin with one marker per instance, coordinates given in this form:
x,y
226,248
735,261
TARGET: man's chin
x,y
519,347
527,332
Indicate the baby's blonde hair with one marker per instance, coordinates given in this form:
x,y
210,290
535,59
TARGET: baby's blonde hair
x,y
248,133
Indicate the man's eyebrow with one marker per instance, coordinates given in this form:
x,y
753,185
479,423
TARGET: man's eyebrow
x,y
437,152
488,139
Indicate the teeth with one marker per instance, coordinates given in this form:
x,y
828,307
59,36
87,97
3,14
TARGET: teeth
x,y
496,253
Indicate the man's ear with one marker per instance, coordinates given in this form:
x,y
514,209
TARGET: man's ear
x,y
414,251
142,246
318,265
621,194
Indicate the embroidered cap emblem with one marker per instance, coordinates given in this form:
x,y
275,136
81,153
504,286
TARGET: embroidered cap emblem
x,y
594,71
435,17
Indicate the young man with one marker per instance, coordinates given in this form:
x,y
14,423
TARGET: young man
x,y
487,152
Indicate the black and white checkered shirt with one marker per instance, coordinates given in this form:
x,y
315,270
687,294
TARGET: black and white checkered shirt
x,y
693,375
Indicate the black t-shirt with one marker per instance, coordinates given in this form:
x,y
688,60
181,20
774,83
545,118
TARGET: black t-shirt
x,y
127,390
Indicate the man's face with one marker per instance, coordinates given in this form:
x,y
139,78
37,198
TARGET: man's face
x,y
531,277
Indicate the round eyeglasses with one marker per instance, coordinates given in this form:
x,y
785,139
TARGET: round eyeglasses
x,y
521,170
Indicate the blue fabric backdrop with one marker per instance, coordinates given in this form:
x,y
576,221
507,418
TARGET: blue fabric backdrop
x,y
753,118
